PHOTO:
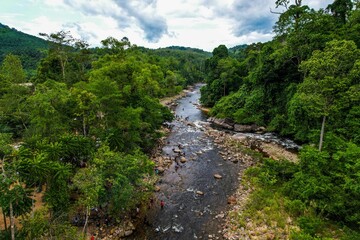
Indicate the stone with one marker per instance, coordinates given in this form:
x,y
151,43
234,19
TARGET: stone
x,y
130,226
161,169
217,176
176,150
199,193
183,160
221,215
224,123
231,200
191,124
157,189
245,128
128,233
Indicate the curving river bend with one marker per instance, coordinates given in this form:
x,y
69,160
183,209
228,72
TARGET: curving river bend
x,y
188,214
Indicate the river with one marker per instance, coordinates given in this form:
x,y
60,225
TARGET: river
x,y
195,202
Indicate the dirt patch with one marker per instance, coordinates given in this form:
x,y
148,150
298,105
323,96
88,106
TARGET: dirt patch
x,y
277,152
167,101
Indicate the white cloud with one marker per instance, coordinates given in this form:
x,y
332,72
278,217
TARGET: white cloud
x,y
151,23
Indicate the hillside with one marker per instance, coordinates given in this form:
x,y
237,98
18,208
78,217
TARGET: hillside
x,y
29,48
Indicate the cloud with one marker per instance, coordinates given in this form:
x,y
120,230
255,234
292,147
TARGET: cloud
x,y
144,12
128,14
151,23
79,29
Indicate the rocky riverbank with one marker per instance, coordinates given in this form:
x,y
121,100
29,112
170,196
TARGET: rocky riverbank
x,y
236,149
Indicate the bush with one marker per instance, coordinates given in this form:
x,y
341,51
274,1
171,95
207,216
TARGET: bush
x,y
310,225
329,182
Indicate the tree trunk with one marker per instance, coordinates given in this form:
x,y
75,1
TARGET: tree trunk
x,y
86,219
322,133
84,125
62,64
2,162
12,222
5,224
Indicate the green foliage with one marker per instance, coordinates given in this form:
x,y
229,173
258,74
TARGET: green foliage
x,y
13,95
327,182
41,226
306,78
123,176
49,109
283,83
224,76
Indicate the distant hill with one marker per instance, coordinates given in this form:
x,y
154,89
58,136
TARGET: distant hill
x,y
238,51
188,49
29,48
183,52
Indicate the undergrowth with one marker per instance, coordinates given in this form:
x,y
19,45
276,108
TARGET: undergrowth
x,y
270,209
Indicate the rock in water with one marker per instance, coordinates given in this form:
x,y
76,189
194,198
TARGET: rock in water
x,y
199,193
183,160
217,176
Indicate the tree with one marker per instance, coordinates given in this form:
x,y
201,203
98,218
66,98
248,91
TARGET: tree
x,y
341,10
11,70
14,198
123,176
49,109
289,20
13,94
67,57
60,47
327,80
86,107
89,183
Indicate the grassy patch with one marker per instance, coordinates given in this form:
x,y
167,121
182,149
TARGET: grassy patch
x,y
270,214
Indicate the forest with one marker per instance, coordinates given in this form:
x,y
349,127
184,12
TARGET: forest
x,y
304,84
78,124
80,128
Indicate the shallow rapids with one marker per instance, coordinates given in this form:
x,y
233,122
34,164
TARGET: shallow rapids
x,y
195,201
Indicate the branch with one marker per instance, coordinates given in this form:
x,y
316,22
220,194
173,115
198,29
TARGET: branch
x,y
275,12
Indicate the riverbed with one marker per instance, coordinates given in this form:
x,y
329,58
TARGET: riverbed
x,y
195,202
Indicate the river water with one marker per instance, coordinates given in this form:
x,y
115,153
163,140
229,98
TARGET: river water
x,y
188,214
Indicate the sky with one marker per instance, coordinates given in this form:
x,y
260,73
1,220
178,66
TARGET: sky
x,y
203,24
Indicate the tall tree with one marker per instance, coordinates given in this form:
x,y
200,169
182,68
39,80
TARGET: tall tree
x,y
14,198
66,54
327,80
11,70
341,10
88,181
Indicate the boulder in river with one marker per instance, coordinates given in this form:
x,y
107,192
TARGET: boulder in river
x,y
224,123
183,160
